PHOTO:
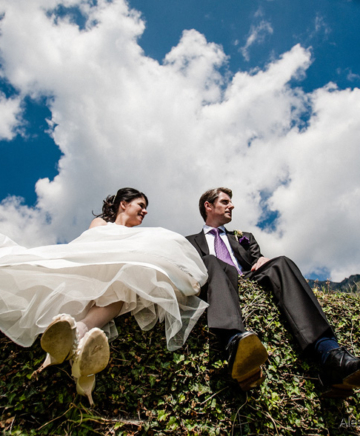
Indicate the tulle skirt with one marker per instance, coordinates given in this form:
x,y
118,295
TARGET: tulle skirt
x,y
155,272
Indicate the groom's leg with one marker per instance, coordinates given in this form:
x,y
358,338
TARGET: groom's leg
x,y
295,298
245,352
339,370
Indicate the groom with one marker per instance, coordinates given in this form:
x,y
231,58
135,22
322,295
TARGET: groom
x,y
229,254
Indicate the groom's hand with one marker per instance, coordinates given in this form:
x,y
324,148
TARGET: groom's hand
x,y
259,263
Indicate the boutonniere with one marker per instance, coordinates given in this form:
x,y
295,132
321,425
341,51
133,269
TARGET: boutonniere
x,y
243,240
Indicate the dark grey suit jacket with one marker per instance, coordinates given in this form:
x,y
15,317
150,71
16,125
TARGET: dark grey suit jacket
x,y
292,293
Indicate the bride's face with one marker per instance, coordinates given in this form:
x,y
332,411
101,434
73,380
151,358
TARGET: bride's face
x,y
133,212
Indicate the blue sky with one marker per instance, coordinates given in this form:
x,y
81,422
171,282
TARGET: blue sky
x,y
329,27
174,97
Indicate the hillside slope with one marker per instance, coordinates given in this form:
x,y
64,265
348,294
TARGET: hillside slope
x,y
147,390
350,284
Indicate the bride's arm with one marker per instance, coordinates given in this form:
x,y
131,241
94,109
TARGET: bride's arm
x,y
96,222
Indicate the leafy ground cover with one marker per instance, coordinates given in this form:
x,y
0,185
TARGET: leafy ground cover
x,y
147,390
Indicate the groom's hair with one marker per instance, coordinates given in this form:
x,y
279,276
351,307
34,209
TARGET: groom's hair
x,y
211,195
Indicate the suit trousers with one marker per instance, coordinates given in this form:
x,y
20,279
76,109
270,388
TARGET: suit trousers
x,y
293,296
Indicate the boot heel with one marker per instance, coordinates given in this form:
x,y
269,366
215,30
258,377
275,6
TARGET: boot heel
x,y
85,385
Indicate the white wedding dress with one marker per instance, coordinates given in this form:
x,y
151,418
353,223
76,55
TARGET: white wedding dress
x,y
156,272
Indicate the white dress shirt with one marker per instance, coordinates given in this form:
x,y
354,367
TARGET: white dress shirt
x,y
210,239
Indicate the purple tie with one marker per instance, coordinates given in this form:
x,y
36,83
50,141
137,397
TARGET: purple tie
x,y
221,249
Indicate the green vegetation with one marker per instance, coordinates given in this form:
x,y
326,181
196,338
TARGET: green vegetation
x,y
147,390
349,285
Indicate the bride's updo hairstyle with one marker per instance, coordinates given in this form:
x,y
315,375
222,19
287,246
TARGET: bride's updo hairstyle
x,y
111,203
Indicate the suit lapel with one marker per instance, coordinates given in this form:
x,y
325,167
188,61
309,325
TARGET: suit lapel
x,y
201,242
239,251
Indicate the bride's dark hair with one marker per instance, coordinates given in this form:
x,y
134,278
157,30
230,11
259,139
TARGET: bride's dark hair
x,y
111,203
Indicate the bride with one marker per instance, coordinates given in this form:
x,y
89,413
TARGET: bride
x,y
72,292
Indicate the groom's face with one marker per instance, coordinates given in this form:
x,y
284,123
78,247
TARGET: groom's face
x,y
219,212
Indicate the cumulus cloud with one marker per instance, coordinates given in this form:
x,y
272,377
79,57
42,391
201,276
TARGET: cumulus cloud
x,y
257,35
10,114
177,128
22,223
321,201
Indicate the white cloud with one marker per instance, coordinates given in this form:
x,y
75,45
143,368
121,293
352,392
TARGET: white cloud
x,y
320,29
259,12
10,112
352,76
178,128
321,26
23,224
319,207
257,35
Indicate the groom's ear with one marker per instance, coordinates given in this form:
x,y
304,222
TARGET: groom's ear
x,y
208,206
